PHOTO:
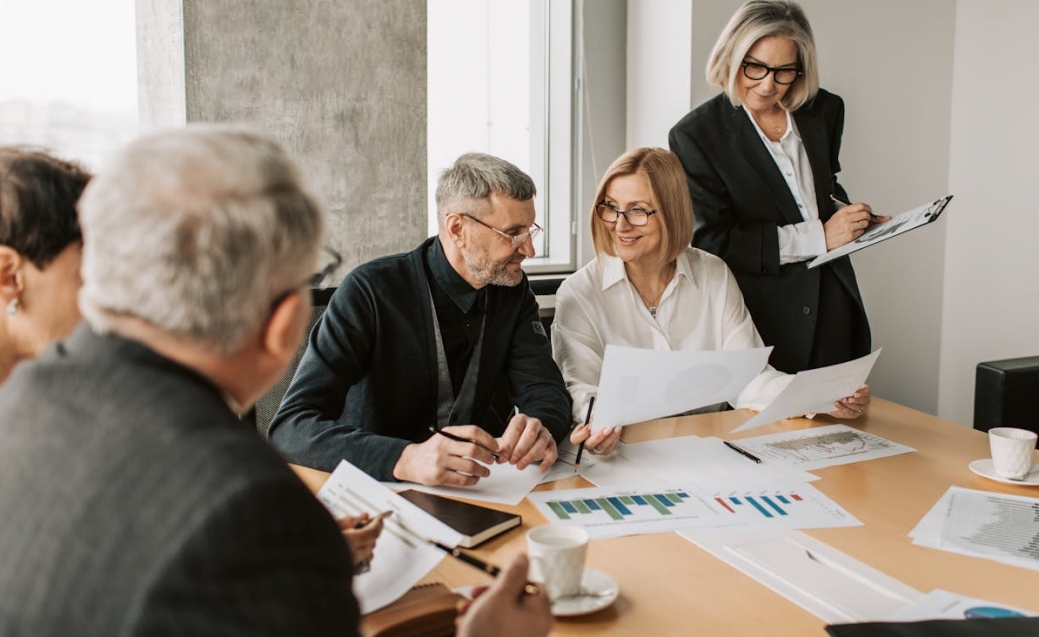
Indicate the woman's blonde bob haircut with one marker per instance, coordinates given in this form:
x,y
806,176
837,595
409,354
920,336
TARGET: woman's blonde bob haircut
x,y
666,178
761,19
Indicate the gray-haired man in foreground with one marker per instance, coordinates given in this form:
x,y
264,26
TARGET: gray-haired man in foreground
x,y
133,501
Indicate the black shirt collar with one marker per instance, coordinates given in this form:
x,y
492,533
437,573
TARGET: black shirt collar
x,y
449,281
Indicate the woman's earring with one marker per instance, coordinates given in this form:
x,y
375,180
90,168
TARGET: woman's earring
x,y
13,307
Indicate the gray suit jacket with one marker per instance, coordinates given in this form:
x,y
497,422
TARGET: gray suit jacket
x,y
133,502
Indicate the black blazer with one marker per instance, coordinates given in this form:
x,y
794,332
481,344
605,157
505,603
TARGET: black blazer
x,y
740,198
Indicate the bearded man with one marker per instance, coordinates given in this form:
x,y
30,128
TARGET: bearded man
x,y
444,339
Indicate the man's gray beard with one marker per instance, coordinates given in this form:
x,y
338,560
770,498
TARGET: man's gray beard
x,y
490,273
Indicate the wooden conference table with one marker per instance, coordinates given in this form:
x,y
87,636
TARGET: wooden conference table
x,y
669,586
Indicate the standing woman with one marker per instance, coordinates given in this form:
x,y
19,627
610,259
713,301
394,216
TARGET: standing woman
x,y
40,252
761,161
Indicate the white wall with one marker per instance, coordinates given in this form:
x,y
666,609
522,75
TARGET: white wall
x,y
659,75
991,303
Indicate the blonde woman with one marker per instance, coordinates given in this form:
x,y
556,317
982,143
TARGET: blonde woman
x,y
761,161
647,288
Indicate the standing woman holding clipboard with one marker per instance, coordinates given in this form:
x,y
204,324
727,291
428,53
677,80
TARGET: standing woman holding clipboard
x,y
761,161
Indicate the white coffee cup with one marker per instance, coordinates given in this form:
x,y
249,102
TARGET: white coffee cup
x,y
557,555
1011,451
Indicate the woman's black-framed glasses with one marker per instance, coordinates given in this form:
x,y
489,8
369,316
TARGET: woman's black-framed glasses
x,y
635,217
516,240
755,71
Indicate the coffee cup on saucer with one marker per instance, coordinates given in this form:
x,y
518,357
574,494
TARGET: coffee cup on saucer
x,y
557,557
1011,451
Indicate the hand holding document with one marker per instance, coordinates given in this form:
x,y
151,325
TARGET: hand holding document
x,y
815,391
642,384
403,554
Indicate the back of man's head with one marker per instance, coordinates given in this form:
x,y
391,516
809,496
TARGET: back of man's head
x,y
195,232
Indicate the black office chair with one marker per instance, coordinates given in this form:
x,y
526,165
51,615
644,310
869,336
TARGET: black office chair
x,y
1004,394
261,415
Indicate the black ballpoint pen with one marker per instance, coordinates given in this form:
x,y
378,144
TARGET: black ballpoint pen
x,y
580,448
742,451
490,569
451,436
872,216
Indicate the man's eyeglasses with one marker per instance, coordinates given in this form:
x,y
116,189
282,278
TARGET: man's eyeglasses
x,y
634,217
517,239
331,260
755,71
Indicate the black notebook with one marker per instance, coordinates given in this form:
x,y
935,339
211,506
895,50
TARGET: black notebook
x,y
478,524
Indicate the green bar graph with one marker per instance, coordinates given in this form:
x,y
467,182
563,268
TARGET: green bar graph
x,y
558,510
609,509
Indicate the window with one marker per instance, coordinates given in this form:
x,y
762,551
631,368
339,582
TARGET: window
x,y
69,72
499,82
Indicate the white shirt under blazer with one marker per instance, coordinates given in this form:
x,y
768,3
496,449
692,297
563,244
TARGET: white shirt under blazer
x,y
702,309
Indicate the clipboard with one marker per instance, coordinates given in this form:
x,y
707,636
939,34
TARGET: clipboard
x,y
896,225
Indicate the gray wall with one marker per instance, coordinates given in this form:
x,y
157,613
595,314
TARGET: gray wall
x,y
341,84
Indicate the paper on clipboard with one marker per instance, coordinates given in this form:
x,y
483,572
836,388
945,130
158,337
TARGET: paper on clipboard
x,y
893,227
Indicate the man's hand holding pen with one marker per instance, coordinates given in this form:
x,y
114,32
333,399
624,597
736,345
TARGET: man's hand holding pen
x,y
458,456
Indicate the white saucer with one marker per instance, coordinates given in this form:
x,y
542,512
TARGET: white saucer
x,y
983,467
599,590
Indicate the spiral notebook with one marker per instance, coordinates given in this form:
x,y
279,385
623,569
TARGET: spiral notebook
x,y
476,523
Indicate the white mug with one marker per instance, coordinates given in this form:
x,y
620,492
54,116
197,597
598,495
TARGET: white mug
x,y
1011,451
557,555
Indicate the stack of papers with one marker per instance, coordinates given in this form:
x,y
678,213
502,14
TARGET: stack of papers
x,y
996,526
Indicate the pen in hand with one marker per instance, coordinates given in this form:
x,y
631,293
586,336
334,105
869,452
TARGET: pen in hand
x,y
451,436
742,451
872,217
580,448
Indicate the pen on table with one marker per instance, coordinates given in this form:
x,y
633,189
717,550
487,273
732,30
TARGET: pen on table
x,y
490,569
580,448
450,435
872,216
742,451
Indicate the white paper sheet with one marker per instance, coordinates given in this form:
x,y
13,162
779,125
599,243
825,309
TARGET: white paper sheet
x,y
613,512
903,222
564,465
641,384
814,391
703,463
820,447
505,485
939,604
831,585
403,555
996,526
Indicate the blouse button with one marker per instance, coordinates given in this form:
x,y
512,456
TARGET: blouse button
x,y
807,310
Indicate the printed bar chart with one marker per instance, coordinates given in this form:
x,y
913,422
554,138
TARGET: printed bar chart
x,y
609,512
618,507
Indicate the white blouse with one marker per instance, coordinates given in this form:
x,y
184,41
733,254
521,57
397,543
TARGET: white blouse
x,y
805,240
701,309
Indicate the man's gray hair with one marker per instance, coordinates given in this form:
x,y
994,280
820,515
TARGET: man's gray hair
x,y
196,231
466,186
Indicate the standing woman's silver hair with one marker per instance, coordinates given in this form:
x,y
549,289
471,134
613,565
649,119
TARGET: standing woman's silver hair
x,y
761,19
465,186
196,231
